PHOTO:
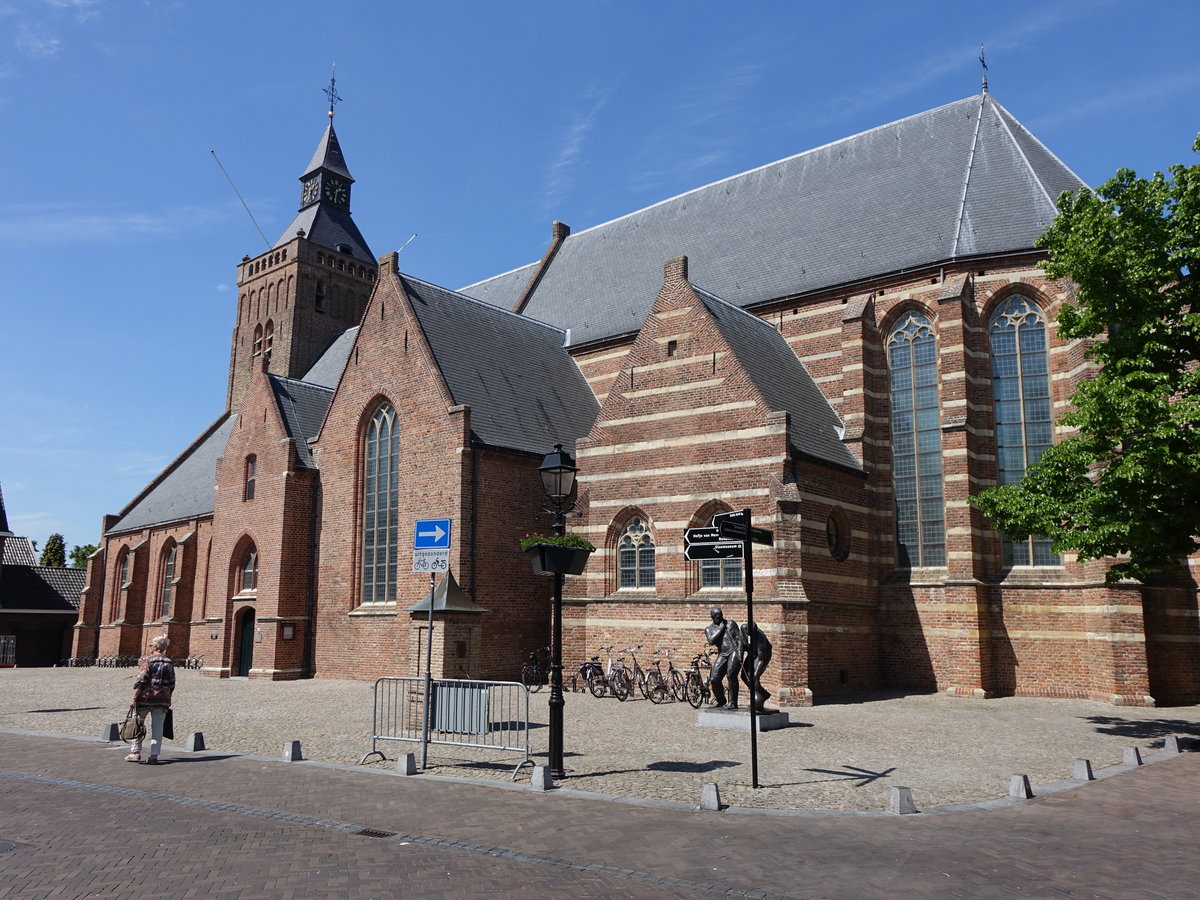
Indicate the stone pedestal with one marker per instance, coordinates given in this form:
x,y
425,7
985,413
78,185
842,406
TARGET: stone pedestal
x,y
739,719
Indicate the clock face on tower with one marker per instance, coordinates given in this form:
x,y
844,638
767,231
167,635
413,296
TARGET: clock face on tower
x,y
335,191
311,192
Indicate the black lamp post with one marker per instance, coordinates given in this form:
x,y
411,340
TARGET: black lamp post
x,y
558,479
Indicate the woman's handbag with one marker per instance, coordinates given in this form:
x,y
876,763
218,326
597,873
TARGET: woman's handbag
x,y
169,725
132,728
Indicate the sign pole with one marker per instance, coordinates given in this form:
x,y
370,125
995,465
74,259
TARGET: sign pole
x,y
748,553
428,677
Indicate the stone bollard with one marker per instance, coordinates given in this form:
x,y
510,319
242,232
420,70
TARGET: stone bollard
x,y
1133,756
541,780
1019,788
195,741
1083,770
901,802
406,764
1171,744
291,751
112,732
710,797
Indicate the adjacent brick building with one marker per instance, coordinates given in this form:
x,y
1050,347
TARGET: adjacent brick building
x,y
849,343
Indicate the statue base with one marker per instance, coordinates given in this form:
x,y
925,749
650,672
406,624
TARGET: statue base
x,y
739,719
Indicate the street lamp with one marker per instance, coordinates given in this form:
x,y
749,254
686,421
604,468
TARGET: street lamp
x,y
558,480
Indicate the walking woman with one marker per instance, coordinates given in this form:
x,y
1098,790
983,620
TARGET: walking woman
x,y
152,694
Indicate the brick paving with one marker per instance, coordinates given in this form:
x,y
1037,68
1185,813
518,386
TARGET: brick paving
x,y
85,823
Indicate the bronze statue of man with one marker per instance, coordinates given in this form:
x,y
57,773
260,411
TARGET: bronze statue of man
x,y
725,635
759,658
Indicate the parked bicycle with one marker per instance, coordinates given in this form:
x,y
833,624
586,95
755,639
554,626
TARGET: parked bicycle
x,y
696,687
672,677
614,679
648,681
536,672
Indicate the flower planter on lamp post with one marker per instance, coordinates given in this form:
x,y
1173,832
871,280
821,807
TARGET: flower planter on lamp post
x,y
551,559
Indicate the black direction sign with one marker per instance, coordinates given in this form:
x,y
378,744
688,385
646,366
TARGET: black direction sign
x,y
735,525
701,536
722,550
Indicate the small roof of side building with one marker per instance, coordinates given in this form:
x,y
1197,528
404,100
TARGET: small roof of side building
x,y
524,389
956,182
18,551
41,588
302,407
815,430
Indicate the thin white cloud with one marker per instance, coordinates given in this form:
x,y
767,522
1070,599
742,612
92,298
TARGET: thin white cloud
x,y
1141,94
36,43
567,161
83,9
31,224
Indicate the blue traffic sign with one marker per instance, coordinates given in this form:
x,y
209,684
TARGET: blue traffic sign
x,y
431,534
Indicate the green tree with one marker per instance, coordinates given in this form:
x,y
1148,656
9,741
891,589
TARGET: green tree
x,y
55,552
1128,482
80,554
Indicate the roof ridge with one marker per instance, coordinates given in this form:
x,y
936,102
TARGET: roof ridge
x,y
1025,159
962,203
490,306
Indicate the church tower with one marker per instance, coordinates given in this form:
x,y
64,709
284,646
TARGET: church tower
x,y
312,285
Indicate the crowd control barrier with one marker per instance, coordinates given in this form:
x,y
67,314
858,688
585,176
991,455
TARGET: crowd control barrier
x,y
490,715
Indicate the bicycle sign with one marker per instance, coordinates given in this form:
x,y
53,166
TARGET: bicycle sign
x,y
431,545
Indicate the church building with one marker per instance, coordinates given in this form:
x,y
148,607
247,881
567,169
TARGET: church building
x,y
849,342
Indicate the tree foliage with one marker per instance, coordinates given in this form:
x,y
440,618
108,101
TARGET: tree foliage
x,y
80,554
1127,484
55,552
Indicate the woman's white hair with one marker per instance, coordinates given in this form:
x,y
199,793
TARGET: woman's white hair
x,y
162,642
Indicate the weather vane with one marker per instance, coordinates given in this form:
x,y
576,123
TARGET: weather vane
x,y
982,62
331,91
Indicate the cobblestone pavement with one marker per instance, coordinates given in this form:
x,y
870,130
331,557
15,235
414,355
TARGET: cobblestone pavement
x,y
79,821
845,756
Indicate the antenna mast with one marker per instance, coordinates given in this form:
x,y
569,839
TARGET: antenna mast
x,y
239,196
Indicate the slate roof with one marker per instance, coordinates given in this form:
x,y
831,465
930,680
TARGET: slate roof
x,y
183,490
302,407
525,391
18,551
328,155
963,180
327,370
815,429
3,516
43,588
330,227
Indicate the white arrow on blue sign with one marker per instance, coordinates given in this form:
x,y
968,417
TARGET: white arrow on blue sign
x,y
431,534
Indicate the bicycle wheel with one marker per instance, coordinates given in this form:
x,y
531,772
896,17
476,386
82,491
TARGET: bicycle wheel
x,y
531,678
695,691
676,685
621,687
598,685
656,688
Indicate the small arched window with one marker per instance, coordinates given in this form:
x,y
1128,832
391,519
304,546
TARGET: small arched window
x,y
916,443
635,556
720,573
258,340
248,574
250,477
268,336
1024,420
168,580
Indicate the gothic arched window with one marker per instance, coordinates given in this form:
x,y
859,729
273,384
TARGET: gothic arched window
x,y
248,571
720,573
381,490
916,443
168,581
1024,419
635,556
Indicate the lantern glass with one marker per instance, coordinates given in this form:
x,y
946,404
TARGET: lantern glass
x,y
558,473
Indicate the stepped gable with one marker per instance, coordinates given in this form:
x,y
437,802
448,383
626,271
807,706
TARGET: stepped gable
x,y
815,429
44,588
302,407
960,181
185,489
524,389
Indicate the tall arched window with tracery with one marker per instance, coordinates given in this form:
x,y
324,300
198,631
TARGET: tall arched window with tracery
x,y
248,571
916,443
381,490
168,581
1024,420
635,556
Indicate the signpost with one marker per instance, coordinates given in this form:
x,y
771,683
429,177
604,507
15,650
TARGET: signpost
x,y
730,537
431,553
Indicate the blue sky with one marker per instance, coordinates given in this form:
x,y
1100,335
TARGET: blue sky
x,y
473,125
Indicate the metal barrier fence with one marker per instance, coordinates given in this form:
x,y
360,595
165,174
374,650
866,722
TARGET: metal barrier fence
x,y
8,649
490,715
